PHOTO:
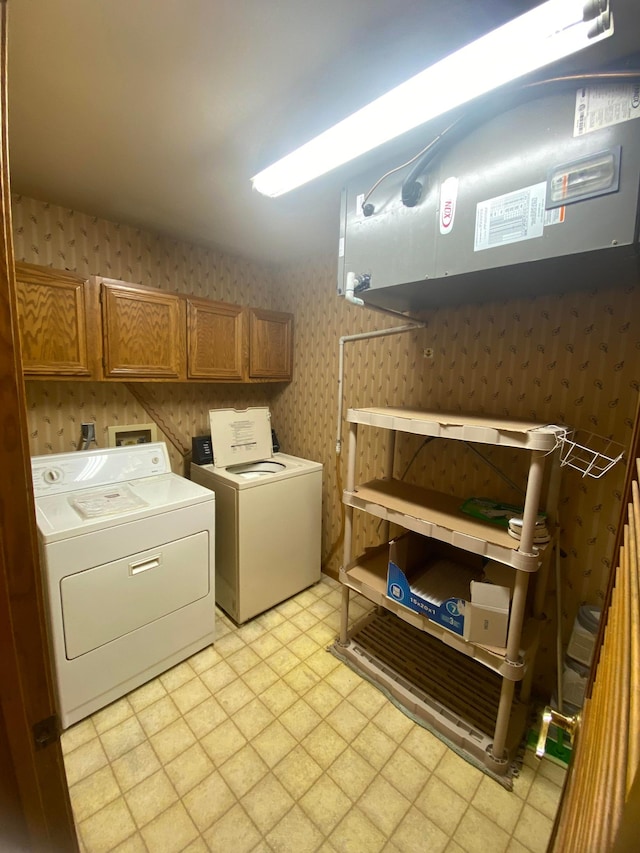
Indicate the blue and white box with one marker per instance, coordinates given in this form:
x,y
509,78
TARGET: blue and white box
x,y
432,579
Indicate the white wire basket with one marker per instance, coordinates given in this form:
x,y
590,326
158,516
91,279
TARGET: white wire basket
x,y
589,453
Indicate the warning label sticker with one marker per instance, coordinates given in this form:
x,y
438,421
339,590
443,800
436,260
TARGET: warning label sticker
x,y
554,216
510,218
603,106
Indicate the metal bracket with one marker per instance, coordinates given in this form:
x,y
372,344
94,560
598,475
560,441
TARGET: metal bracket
x,y
46,732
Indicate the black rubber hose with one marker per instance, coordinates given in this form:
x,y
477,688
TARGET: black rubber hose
x,y
488,108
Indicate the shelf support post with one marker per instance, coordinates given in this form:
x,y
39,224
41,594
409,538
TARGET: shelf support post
x,y
344,617
532,501
388,473
502,720
348,531
531,504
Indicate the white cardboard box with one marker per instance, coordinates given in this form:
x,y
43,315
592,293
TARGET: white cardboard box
x,y
486,617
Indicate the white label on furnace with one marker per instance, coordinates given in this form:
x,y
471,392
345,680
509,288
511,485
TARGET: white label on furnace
x,y
359,203
603,106
510,218
448,198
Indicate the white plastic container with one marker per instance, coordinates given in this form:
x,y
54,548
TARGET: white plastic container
x,y
583,636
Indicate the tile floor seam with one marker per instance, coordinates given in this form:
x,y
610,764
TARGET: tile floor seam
x,y
523,844
418,794
389,836
452,835
249,818
221,815
451,788
178,799
288,812
122,840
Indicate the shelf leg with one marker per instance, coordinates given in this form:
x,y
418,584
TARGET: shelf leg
x,y
348,532
516,618
351,461
388,474
344,617
502,720
532,501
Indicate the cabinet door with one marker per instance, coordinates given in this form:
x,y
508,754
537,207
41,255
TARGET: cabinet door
x,y
215,340
144,332
58,323
271,344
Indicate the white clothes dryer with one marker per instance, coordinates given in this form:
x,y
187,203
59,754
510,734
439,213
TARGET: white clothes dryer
x,y
268,514
127,551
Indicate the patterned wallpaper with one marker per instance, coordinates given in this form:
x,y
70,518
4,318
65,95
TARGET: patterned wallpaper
x,y
65,239
569,358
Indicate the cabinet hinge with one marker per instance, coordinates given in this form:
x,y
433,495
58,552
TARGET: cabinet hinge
x,y
46,732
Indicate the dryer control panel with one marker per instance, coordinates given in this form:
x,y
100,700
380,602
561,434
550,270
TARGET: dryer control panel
x,y
57,473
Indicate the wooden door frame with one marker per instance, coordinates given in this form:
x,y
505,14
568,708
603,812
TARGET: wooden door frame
x,y
610,698
35,812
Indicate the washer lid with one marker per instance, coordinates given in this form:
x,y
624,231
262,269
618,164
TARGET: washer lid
x,y
240,435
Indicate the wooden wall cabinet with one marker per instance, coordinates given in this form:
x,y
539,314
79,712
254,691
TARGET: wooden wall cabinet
x,y
58,318
270,344
144,332
102,328
216,347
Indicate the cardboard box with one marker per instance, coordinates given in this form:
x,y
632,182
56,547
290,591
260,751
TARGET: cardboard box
x,y
431,578
500,575
438,581
487,617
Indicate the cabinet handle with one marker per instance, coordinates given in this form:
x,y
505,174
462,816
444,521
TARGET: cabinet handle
x,y
145,565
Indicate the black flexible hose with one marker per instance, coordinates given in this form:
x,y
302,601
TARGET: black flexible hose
x,y
488,108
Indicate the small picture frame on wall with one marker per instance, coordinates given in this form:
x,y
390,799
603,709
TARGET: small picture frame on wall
x,y
131,434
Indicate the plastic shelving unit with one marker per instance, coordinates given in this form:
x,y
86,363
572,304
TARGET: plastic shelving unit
x,y
436,692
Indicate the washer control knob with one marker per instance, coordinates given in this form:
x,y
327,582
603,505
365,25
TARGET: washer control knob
x,y
52,475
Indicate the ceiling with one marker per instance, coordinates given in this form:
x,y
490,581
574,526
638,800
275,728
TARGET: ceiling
x,y
156,113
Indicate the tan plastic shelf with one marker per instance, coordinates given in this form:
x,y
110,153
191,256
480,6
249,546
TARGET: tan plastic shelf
x,y
528,435
438,516
368,576
450,692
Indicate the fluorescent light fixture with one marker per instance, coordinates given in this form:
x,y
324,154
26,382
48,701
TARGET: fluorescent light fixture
x,y
546,34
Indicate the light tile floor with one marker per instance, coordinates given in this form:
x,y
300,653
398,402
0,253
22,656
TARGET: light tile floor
x,y
266,742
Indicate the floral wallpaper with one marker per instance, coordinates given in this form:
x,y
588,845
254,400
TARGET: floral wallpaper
x,y
568,358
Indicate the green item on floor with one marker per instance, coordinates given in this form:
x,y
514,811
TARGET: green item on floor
x,y
558,751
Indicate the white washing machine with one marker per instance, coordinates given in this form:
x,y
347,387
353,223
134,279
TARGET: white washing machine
x,y
268,514
127,551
